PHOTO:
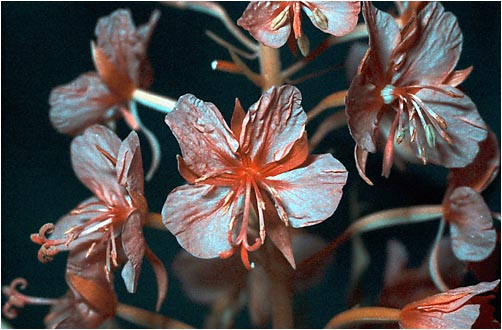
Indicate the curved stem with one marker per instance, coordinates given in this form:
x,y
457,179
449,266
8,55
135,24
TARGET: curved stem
x,y
358,316
433,261
148,319
375,221
333,122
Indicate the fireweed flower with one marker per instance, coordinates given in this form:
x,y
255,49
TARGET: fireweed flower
x,y
454,309
270,22
260,164
112,169
120,55
408,75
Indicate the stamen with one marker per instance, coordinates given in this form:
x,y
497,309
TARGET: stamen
x,y
280,20
261,208
430,135
320,19
89,251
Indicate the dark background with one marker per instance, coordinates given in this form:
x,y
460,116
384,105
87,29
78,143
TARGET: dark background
x,y
45,45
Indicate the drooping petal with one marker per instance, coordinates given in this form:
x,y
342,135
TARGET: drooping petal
x,y
259,20
433,55
133,243
363,108
447,310
94,156
321,176
198,217
130,165
341,16
465,127
471,225
273,125
206,142
483,169
81,103
160,276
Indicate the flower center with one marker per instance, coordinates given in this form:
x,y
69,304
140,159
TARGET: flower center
x,y
388,94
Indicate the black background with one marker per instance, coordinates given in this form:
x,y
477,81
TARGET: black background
x,y
45,45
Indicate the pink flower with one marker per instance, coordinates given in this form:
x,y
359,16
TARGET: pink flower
x,y
112,169
453,309
260,164
94,99
408,75
270,22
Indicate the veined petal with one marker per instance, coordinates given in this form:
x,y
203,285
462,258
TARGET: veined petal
x,y
206,142
341,16
133,243
384,36
129,166
448,310
198,217
259,19
310,193
471,225
81,103
273,125
364,109
123,44
93,155
465,127
434,55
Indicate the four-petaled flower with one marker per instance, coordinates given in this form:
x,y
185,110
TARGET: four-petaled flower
x,y
453,309
112,169
261,163
270,22
408,75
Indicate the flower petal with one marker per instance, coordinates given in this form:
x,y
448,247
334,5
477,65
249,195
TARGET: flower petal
x,y
384,36
93,155
363,108
133,243
198,217
81,103
310,193
465,127
483,169
341,16
471,225
258,19
206,142
273,125
447,310
129,166
123,44
435,53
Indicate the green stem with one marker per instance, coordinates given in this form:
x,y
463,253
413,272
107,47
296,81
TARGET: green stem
x,y
358,316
